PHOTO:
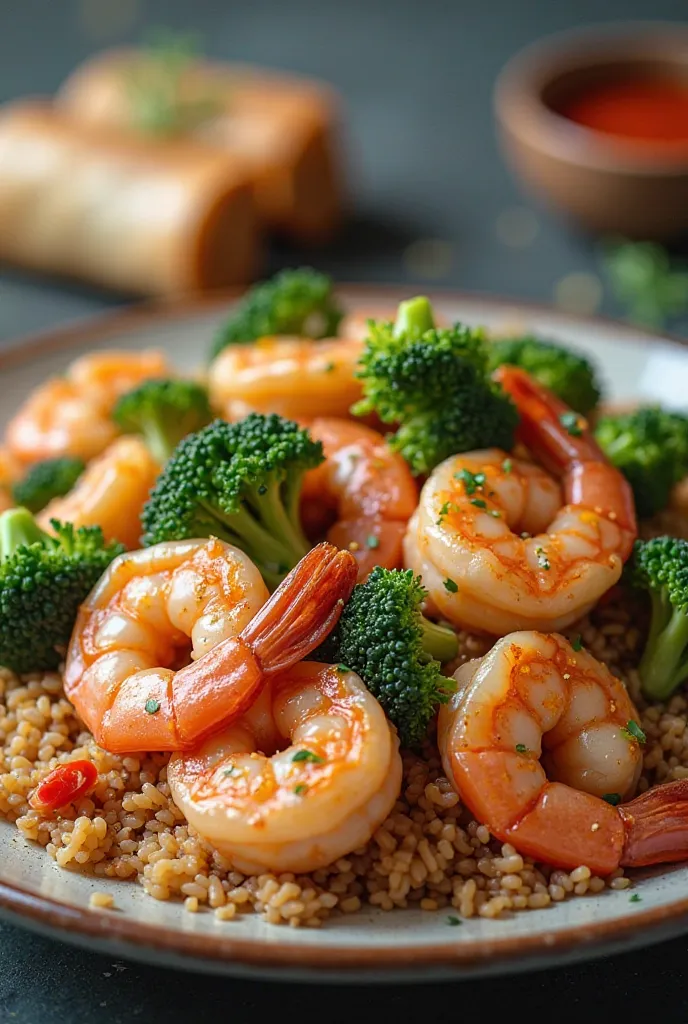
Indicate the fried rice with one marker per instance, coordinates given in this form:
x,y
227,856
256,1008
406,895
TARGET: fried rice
x,y
429,853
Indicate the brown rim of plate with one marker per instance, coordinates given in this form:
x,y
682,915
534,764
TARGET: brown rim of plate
x,y
521,82
84,923
141,314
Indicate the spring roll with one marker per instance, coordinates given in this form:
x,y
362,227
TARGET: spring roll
x,y
284,126
151,219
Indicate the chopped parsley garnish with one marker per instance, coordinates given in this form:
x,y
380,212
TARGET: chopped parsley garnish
x,y
328,367
372,541
300,789
307,755
479,503
632,731
612,798
453,920
571,423
152,706
445,509
521,748
543,560
635,898
507,465
471,481
228,771
577,644
451,586
341,668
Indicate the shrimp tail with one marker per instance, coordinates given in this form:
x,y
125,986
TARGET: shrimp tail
x,y
562,442
541,429
656,826
303,610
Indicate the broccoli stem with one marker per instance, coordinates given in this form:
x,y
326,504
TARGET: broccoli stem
x,y
244,531
17,527
439,642
664,664
158,441
278,521
414,318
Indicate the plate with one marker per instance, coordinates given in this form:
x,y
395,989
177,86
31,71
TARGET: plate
x,y
371,946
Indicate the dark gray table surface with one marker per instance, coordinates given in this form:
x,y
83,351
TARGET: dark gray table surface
x,y
417,80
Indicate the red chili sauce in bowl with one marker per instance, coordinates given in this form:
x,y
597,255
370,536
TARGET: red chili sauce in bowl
x,y
636,110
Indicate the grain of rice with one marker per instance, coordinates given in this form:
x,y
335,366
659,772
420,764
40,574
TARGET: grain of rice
x,y
101,900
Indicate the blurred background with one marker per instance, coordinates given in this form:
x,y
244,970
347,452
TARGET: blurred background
x,y
431,201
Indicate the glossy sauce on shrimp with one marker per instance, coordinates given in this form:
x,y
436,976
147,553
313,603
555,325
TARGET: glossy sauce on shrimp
x,y
368,490
128,672
535,737
110,493
70,415
501,544
301,781
295,377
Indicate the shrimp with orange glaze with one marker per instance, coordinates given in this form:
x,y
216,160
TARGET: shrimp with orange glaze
x,y
296,377
497,544
300,781
110,493
536,735
127,672
366,488
70,415
8,473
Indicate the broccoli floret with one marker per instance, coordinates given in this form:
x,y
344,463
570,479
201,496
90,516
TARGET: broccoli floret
x,y
650,447
383,637
47,480
164,411
660,567
240,482
43,580
300,302
570,375
434,384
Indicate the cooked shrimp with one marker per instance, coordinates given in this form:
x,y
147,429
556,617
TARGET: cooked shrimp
x,y
366,488
134,632
70,415
533,697
295,377
496,549
110,493
299,807
8,473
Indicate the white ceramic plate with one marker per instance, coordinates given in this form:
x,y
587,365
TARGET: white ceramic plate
x,y
373,945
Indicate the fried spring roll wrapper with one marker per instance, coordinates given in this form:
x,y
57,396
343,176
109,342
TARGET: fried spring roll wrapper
x,y
121,212
284,126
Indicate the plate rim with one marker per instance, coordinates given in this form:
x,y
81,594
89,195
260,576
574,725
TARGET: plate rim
x,y
131,316
508,953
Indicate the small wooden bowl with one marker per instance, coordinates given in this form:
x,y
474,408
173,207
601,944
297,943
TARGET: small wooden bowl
x,y
605,184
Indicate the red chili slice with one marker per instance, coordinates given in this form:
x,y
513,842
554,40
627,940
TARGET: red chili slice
x,y
64,784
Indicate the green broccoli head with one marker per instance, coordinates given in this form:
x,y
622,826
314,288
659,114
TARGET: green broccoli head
x,y
660,568
47,480
240,482
299,302
570,375
383,637
650,447
434,384
43,581
164,411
